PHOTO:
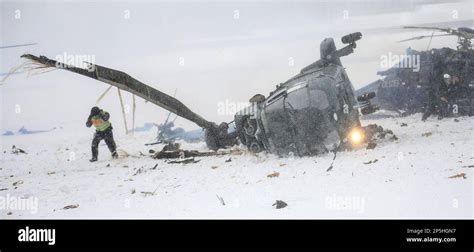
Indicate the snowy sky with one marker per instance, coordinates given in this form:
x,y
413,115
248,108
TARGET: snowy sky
x,y
230,50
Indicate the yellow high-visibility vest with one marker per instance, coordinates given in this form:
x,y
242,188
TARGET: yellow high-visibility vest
x,y
99,123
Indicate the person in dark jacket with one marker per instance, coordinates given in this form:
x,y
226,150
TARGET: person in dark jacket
x,y
438,98
443,96
103,130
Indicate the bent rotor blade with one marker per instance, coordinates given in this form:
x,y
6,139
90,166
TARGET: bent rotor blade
x,y
18,45
127,83
425,36
448,30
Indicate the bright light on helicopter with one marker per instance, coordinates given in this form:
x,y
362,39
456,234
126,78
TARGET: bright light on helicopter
x,y
356,136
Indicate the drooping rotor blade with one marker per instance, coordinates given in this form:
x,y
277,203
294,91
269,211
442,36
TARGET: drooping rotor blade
x,y
8,73
11,46
126,82
466,30
448,30
425,36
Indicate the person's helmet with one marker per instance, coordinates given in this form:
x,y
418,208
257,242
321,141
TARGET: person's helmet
x,y
447,76
95,110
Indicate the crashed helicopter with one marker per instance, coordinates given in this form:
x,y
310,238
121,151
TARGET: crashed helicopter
x,y
313,112
408,90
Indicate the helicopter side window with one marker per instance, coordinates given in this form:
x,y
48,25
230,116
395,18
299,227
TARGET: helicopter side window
x,y
298,99
319,99
321,92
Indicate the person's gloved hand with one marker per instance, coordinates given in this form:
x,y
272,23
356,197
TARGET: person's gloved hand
x,y
105,116
89,122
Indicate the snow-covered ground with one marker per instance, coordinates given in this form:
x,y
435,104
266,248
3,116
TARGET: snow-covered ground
x,y
410,178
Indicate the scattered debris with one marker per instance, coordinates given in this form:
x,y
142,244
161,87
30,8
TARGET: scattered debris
x,y
332,162
183,154
273,175
3,189
374,132
16,150
19,182
468,166
171,147
281,165
143,170
9,213
220,199
138,171
371,145
179,153
460,175
228,160
214,167
427,134
371,161
403,125
133,191
51,173
184,161
280,204
148,193
108,165
151,151
456,120
71,206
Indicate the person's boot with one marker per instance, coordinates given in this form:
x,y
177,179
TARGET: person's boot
x,y
114,155
93,159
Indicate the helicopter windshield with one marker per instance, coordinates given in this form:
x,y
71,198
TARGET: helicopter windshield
x,y
300,119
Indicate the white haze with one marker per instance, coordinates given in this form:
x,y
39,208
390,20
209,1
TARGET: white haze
x,y
224,58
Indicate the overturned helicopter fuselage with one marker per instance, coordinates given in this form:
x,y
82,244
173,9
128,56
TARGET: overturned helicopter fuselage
x,y
313,112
